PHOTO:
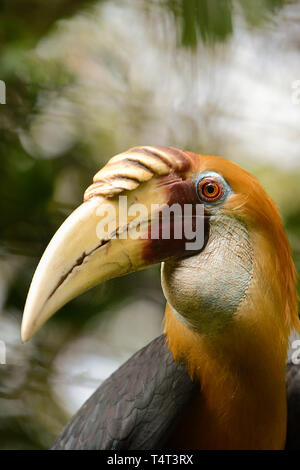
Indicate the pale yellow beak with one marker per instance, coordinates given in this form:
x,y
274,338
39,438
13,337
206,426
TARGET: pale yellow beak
x,y
79,257
85,252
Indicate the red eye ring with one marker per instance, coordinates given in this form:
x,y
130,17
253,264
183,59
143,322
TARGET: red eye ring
x,y
210,190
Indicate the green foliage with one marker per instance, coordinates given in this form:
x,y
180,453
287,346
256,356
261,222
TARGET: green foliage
x,y
211,21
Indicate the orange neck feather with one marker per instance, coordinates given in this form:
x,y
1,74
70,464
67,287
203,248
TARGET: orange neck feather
x,y
241,369
242,399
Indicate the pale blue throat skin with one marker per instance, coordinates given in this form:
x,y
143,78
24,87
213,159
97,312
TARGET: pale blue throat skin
x,y
205,290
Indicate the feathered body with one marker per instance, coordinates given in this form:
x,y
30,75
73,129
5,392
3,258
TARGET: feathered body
x,y
242,368
230,306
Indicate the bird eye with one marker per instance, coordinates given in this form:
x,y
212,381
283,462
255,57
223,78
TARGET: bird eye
x,y
209,190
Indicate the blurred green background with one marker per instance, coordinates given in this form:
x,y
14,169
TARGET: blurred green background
x,y
86,80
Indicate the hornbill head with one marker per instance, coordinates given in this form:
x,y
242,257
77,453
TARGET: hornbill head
x,y
241,256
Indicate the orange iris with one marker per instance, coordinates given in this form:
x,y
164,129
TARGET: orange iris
x,y
210,190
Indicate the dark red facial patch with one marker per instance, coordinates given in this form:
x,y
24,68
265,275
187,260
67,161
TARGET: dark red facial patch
x,y
179,192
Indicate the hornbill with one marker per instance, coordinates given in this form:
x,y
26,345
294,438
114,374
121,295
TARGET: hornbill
x,y
217,377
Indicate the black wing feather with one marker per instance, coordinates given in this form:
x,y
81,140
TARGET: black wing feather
x,y
293,404
136,407
139,405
